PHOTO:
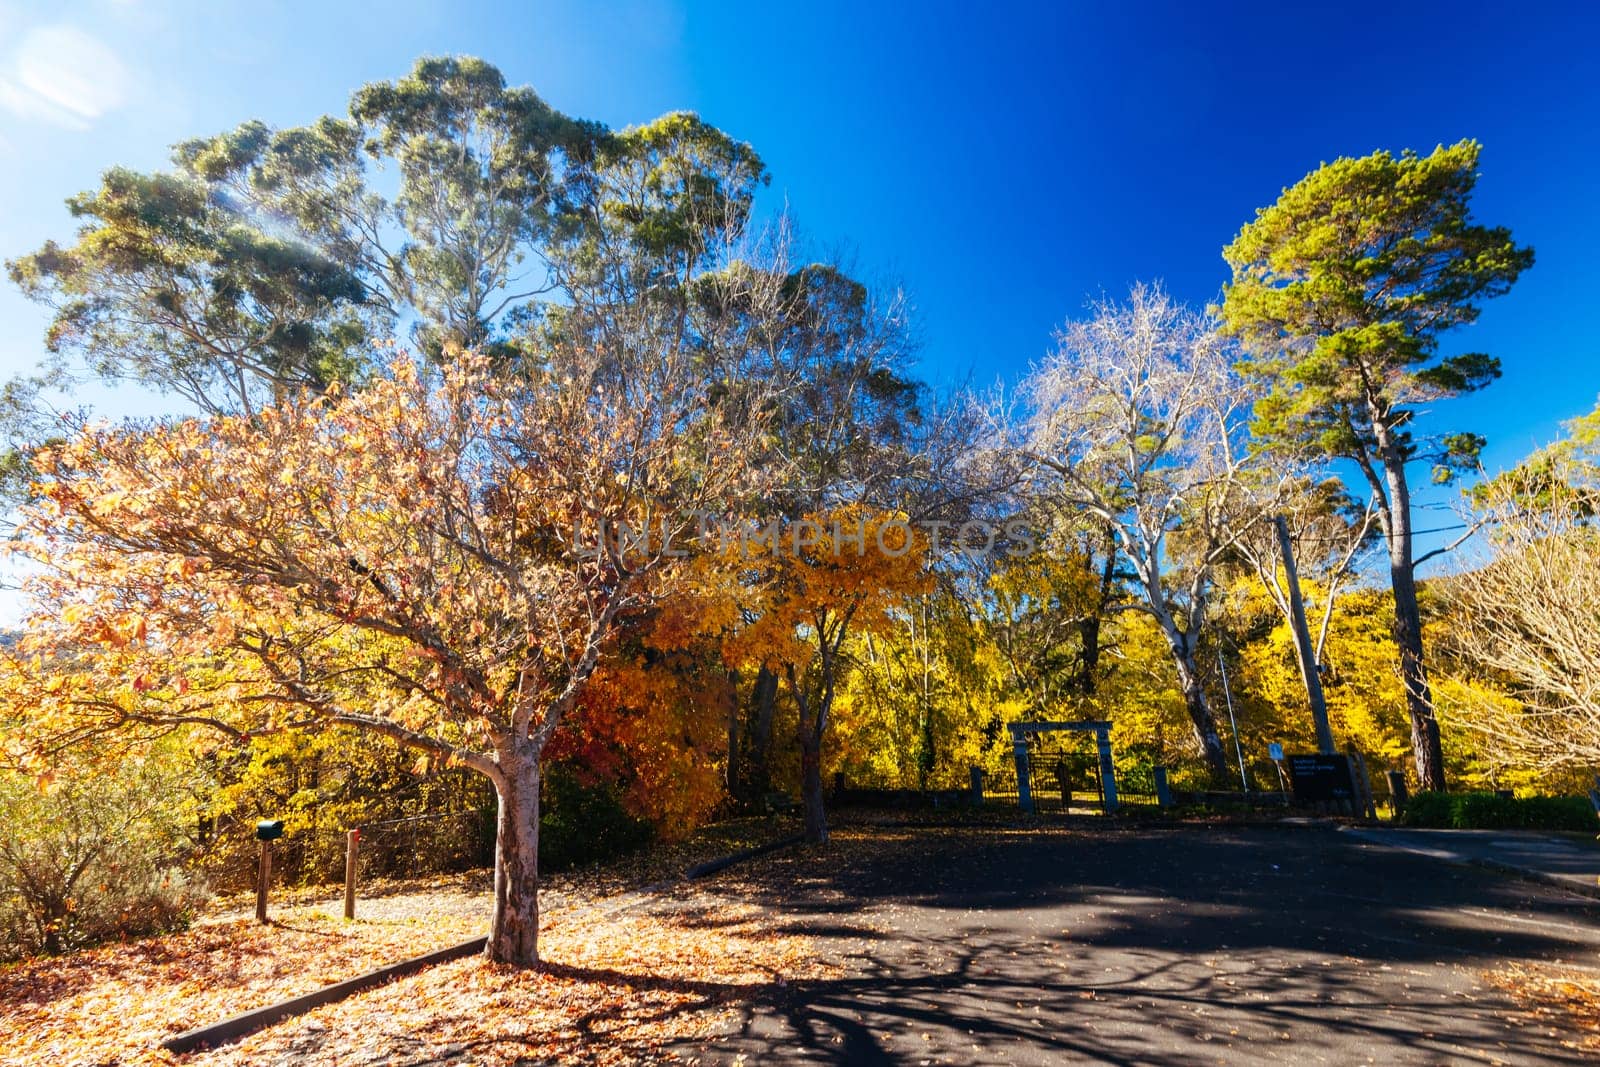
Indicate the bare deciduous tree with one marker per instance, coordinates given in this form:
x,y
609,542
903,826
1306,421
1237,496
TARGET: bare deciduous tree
x,y
1139,419
1526,617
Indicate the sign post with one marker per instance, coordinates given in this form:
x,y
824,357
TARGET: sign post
x,y
1320,779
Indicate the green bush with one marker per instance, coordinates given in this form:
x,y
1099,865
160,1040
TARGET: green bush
x,y
1490,811
1139,779
94,854
584,823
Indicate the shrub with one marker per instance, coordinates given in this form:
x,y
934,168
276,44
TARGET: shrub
x,y
93,855
584,822
1138,779
1491,811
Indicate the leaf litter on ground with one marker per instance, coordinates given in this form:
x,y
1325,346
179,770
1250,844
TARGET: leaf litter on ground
x,y
630,975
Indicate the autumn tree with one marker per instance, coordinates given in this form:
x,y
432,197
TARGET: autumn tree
x,y
1138,420
1045,612
441,557
1523,616
446,208
844,426
1342,292
823,578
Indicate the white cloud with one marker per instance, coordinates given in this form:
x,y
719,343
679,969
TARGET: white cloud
x,y
62,76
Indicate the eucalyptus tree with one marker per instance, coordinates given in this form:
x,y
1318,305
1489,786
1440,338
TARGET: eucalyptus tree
x,y
1342,292
445,209
1139,420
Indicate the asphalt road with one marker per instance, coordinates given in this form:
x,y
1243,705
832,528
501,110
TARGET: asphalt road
x,y
1191,946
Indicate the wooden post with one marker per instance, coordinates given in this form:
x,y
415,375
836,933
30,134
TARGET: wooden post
x,y
1108,772
1019,751
1399,794
263,879
352,845
1366,805
977,787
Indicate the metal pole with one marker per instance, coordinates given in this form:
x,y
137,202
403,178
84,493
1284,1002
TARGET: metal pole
x,y
352,845
1302,642
1227,693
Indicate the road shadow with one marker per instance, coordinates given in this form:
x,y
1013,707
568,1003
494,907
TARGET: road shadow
x,y
1148,947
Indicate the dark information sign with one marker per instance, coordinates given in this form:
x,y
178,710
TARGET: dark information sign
x,y
1320,779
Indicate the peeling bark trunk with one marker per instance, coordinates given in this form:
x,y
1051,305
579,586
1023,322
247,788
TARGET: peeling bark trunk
x,y
514,925
1198,707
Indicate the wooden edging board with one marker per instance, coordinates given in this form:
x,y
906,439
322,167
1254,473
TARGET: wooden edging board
x,y
247,1022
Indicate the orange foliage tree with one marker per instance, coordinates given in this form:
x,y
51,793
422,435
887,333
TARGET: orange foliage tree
x,y
404,559
821,579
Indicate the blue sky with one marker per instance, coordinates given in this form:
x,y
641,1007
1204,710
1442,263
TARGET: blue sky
x,y
1003,162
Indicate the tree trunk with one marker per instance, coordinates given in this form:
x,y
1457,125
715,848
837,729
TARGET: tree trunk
x,y
735,771
816,814
1425,747
1199,708
755,773
811,724
1089,628
514,925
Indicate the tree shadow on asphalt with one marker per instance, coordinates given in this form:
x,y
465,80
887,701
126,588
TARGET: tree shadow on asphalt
x,y
1182,948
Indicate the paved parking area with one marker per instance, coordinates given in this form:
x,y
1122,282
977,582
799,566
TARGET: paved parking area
x,y
1157,946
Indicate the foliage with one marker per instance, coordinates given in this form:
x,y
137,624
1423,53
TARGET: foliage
x,y
402,562
94,852
1341,292
1523,620
584,823
446,204
819,580
1491,811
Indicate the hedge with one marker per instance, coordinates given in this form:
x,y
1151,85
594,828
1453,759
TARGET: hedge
x,y
1491,811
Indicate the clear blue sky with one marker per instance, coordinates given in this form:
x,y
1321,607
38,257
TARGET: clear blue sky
x,y
1002,161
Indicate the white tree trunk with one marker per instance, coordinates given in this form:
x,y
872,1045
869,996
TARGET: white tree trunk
x,y
514,924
